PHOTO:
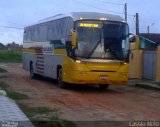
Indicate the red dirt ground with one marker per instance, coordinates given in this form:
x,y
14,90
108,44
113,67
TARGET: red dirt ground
x,y
85,103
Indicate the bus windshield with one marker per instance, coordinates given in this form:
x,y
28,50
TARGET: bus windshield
x,y
107,40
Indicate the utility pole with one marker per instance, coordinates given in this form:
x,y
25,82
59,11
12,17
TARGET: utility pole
x,y
125,9
148,29
137,24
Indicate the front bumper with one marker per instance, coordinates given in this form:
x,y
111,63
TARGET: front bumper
x,y
81,77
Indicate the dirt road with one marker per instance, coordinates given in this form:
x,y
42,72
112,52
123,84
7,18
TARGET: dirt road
x,y
118,103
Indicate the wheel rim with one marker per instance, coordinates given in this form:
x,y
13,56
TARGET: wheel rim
x,y
60,77
31,72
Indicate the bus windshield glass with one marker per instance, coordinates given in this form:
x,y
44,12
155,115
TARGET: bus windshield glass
x,y
102,40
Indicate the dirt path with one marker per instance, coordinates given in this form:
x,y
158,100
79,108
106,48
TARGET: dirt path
x,y
122,103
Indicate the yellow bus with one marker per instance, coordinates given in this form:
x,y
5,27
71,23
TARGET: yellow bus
x,y
78,48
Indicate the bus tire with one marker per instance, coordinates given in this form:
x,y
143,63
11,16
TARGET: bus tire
x,y
103,86
32,74
61,84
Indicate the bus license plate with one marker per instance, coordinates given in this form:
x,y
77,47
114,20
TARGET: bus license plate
x,y
103,77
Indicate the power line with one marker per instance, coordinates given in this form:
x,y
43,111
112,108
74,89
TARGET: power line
x,y
147,22
97,7
10,27
102,8
142,27
106,2
131,15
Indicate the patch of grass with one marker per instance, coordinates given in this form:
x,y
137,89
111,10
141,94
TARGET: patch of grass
x,y
11,94
17,96
4,86
10,56
45,117
32,111
67,123
2,70
47,124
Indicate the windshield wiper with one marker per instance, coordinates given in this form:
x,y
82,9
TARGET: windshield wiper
x,y
94,48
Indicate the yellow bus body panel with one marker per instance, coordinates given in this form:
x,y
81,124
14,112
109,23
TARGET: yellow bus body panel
x,y
60,51
94,72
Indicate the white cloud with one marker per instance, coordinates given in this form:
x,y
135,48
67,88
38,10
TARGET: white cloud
x,y
8,36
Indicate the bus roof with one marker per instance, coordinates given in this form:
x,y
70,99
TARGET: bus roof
x,y
84,15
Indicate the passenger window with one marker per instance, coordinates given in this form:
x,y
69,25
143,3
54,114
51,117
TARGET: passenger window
x,y
57,44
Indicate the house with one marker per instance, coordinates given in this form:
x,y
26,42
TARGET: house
x,y
152,36
145,42
145,57
13,46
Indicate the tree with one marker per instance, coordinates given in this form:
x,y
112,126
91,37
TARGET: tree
x,y
2,46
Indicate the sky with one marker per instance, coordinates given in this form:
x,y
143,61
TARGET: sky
x,y
16,14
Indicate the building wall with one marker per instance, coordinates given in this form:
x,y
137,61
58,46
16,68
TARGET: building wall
x,y
158,64
135,64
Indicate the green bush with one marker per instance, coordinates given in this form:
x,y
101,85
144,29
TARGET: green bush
x,y
2,70
10,55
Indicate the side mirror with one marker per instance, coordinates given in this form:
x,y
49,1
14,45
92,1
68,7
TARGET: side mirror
x,y
74,38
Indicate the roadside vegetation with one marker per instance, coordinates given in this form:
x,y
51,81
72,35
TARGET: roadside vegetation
x,y
2,70
45,117
39,116
11,94
10,55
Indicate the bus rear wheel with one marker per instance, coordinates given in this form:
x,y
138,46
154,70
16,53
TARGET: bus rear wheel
x,y
61,84
103,86
32,74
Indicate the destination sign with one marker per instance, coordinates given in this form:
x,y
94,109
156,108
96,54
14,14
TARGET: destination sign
x,y
94,25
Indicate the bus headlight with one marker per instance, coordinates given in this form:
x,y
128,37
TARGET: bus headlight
x,y
78,61
123,75
123,63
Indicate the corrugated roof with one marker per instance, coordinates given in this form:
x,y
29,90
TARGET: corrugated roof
x,y
151,36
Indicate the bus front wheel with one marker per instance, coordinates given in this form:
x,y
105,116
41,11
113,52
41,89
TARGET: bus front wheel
x,y
61,84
